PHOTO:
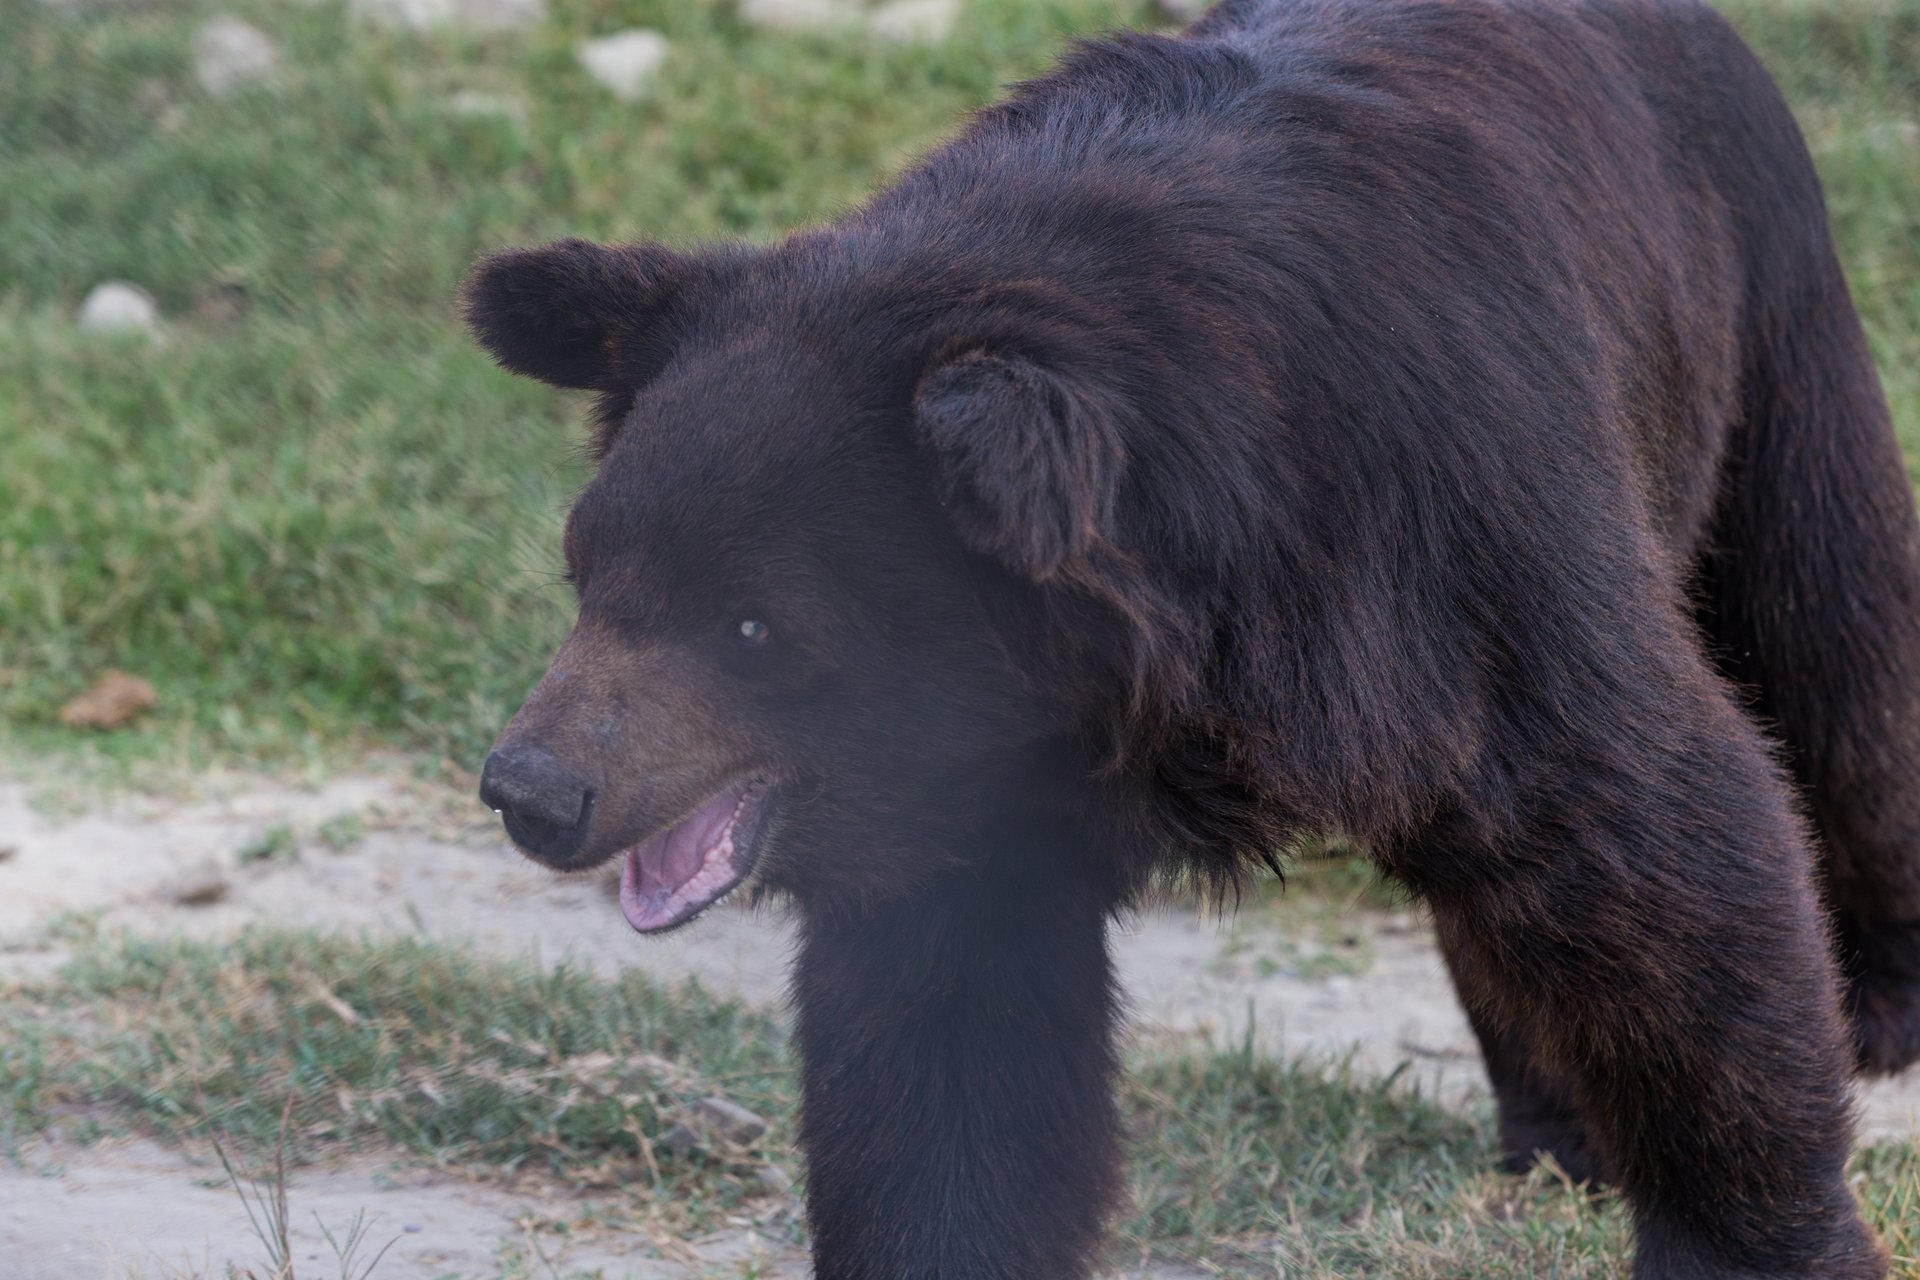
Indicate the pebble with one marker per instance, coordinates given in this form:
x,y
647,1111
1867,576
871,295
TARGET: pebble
x,y
200,888
626,62
230,53
798,15
729,1120
915,21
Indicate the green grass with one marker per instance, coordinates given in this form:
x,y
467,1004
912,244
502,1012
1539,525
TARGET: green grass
x,y
330,520
1851,68
327,523
494,1068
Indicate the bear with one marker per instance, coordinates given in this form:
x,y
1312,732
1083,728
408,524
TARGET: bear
x,y
1442,422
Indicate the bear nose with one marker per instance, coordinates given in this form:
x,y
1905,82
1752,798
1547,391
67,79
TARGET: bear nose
x,y
547,808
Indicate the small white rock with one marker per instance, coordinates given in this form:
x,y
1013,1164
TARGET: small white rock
x,y
915,21
499,15
467,15
119,307
229,53
625,62
799,15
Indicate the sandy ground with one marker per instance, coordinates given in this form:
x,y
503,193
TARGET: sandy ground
x,y
379,854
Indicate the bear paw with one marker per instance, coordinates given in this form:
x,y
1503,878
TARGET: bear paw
x,y
1524,1143
1883,997
1886,1024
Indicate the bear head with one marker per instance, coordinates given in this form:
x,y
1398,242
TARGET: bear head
x,y
820,494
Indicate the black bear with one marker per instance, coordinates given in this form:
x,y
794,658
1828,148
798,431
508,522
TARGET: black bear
x,y
1442,421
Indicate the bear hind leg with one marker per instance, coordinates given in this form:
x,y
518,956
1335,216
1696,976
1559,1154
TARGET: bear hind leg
x,y
1653,933
1810,599
1538,1117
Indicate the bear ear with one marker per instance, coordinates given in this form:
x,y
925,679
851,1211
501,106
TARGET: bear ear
x,y
1028,466
577,314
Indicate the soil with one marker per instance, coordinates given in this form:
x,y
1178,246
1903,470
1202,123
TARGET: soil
x,y
381,853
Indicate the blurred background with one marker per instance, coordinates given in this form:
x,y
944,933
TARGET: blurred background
x,y
278,555
246,452
262,468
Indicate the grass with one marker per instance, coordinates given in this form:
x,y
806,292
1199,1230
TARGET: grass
x,y
265,1201
1254,1166
1851,68
329,519
313,515
453,1059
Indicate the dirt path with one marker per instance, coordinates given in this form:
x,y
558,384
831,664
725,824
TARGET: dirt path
x,y
378,854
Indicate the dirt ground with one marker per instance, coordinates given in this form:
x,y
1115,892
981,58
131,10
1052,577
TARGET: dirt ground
x,y
379,853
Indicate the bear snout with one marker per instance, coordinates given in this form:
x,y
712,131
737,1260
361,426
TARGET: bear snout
x,y
547,808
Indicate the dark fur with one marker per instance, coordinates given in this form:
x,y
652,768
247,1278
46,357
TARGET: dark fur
x,y
1444,423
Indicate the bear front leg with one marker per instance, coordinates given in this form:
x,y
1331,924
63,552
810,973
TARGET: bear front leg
x,y
1641,911
957,1070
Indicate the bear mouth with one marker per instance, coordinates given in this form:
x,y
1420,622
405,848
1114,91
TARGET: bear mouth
x,y
673,876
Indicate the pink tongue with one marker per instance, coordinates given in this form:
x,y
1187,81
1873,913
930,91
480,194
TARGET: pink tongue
x,y
656,872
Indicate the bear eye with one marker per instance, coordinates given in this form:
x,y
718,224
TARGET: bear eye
x,y
752,632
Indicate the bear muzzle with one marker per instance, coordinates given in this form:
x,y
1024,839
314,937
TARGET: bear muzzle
x,y
547,808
